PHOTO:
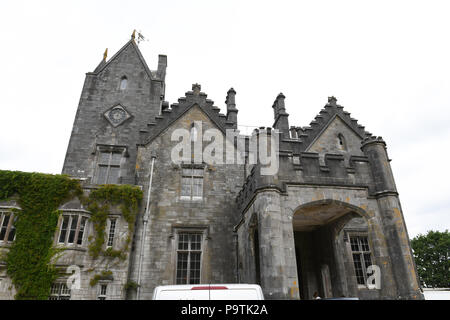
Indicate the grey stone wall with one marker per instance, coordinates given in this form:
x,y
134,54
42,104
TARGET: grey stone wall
x,y
215,214
101,92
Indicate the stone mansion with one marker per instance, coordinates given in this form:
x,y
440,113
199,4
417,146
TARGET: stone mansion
x,y
328,221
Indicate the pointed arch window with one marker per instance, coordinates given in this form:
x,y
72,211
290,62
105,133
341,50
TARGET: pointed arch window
x,y
341,142
123,83
194,133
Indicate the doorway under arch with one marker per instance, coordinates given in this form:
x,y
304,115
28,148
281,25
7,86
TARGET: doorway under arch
x,y
326,265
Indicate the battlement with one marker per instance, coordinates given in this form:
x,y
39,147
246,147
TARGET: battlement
x,y
306,168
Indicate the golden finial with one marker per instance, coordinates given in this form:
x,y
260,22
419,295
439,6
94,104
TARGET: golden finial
x,y
133,36
105,54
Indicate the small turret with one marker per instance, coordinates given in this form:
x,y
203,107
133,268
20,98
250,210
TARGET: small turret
x,y
232,111
375,150
281,117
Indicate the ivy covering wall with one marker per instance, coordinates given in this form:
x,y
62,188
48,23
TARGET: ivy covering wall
x,y
29,259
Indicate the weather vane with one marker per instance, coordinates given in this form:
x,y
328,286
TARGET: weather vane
x,y
140,37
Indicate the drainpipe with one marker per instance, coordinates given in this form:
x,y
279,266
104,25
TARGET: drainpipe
x,y
144,229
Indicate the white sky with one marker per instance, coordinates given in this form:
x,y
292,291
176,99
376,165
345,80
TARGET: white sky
x,y
387,62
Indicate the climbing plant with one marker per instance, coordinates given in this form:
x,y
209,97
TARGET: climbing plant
x,y
99,203
29,259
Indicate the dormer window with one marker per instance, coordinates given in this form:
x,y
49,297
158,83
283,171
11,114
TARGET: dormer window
x,y
123,83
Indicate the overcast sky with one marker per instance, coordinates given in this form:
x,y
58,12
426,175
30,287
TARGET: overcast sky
x,y
387,62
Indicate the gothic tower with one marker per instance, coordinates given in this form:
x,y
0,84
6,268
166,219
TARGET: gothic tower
x,y
119,98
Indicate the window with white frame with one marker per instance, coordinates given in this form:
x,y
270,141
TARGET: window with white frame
x,y
189,255
102,291
72,229
108,168
7,226
59,291
361,257
192,183
111,233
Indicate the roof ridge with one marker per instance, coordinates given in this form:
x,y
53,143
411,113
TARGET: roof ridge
x,y
131,42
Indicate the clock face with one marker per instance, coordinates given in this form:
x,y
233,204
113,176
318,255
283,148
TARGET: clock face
x,y
117,115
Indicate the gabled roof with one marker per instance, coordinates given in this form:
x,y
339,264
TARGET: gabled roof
x,y
103,64
307,135
177,110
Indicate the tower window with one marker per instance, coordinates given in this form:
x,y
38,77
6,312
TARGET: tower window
x,y
341,142
108,167
123,83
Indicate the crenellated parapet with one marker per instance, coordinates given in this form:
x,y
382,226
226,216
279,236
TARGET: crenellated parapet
x,y
308,169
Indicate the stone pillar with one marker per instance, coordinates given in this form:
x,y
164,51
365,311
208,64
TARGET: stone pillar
x,y
275,273
392,220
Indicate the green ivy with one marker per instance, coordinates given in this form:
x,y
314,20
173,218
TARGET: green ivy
x,y
104,275
29,257
99,202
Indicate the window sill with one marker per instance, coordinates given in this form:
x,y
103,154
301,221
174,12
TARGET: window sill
x,y
191,200
71,247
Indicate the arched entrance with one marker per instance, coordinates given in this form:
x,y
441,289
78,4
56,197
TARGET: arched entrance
x,y
326,265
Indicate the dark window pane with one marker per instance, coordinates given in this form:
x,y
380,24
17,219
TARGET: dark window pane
x,y
367,260
81,232
73,228
195,268
182,260
12,231
112,228
62,235
4,227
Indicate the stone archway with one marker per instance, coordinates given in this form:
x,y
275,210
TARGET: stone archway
x,y
323,264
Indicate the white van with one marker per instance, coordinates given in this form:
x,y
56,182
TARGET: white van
x,y
209,292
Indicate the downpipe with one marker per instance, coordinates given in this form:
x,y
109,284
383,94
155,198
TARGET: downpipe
x,y
144,229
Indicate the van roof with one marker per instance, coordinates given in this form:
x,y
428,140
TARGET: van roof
x,y
206,291
207,286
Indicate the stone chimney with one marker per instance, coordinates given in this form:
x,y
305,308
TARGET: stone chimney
x,y
281,117
231,107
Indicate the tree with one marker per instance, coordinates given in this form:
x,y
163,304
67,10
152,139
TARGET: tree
x,y
432,255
